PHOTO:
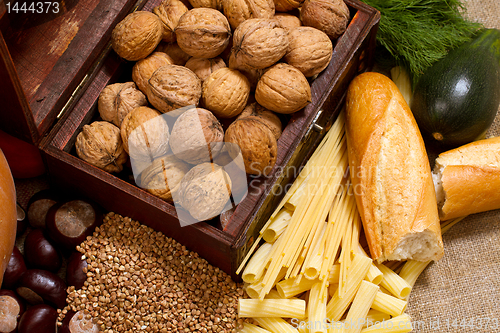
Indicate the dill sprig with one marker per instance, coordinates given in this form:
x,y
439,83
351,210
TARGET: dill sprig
x,y
417,33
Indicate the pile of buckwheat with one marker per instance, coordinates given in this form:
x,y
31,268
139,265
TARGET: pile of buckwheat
x,y
139,280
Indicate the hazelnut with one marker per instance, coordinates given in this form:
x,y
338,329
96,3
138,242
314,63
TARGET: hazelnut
x,y
204,67
225,92
137,35
117,100
283,89
310,50
256,143
172,87
196,136
144,69
100,144
204,191
329,16
203,32
170,11
163,176
258,43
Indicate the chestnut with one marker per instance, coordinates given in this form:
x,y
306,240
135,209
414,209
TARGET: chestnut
x,y
19,300
39,252
69,223
78,323
39,205
40,318
38,286
22,223
9,312
75,276
15,269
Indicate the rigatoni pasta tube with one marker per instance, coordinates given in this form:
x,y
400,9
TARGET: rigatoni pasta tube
x,y
276,325
269,308
374,274
316,309
289,288
251,328
389,304
393,282
255,267
399,324
356,316
375,316
412,269
277,226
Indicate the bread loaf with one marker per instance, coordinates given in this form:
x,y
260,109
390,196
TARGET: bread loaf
x,y
390,172
8,214
467,179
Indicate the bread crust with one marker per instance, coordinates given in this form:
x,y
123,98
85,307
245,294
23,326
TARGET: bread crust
x,y
470,178
8,214
390,171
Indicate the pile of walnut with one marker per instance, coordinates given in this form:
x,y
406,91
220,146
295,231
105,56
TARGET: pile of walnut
x,y
237,61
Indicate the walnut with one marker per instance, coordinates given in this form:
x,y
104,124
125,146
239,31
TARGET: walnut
x,y
235,168
117,100
310,50
204,191
329,16
238,11
259,43
252,74
144,68
254,110
283,89
287,5
214,4
170,11
196,136
257,144
287,21
203,32
225,92
172,87
137,35
204,67
163,176
173,50
145,136
100,144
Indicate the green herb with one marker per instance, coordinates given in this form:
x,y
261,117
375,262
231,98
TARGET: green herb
x,y
417,33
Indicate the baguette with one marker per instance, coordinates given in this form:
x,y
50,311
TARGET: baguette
x,y
8,214
467,179
390,172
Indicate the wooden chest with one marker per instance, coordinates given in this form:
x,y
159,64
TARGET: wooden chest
x,y
52,87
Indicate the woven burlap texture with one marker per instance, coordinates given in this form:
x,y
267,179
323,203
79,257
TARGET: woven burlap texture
x,y
461,292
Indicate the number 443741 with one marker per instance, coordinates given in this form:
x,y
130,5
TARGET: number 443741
x,y
32,7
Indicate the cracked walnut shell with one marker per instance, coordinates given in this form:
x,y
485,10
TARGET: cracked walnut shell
x,y
100,144
225,92
170,11
204,191
259,43
163,176
172,87
137,35
329,16
256,142
197,136
144,68
203,32
238,11
283,89
119,99
310,50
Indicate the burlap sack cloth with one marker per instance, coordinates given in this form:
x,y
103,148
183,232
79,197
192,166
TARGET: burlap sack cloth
x,y
461,292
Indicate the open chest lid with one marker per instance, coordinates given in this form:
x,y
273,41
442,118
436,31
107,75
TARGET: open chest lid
x,y
48,52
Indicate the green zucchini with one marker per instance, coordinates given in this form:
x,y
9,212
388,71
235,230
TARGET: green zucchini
x,y
456,100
